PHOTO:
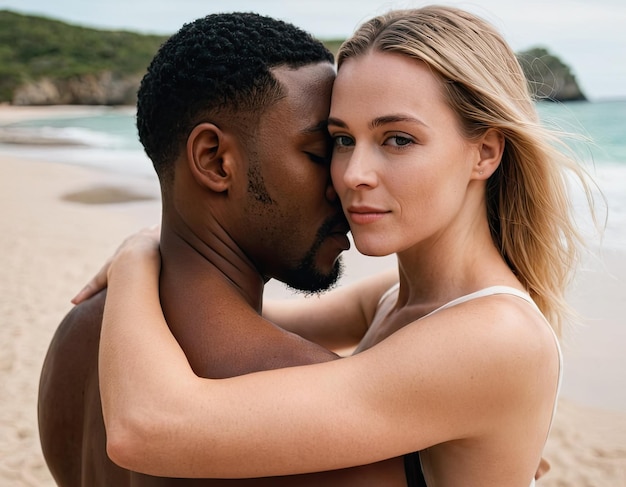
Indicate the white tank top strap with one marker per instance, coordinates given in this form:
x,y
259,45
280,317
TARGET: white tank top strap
x,y
493,290
490,291
387,293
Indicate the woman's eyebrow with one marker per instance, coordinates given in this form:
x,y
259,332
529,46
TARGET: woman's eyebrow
x,y
394,118
382,120
336,122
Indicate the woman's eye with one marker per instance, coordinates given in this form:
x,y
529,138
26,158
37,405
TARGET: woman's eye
x,y
343,141
398,141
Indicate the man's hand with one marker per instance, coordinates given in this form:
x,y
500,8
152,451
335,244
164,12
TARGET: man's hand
x,y
544,468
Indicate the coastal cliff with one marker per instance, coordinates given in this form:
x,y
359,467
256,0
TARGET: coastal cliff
x,y
548,77
104,88
48,62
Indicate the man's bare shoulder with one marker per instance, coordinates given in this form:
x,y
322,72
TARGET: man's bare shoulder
x,y
77,337
70,423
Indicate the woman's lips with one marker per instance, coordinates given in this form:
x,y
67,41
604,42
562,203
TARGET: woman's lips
x,y
362,215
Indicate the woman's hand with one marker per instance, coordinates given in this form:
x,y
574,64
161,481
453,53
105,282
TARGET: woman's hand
x,y
146,236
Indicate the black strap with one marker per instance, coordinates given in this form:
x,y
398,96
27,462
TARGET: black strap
x,y
413,470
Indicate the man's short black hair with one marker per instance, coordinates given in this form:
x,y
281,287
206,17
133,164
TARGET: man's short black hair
x,y
217,64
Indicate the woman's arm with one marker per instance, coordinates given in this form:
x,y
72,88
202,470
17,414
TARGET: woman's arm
x,y
125,342
427,383
337,319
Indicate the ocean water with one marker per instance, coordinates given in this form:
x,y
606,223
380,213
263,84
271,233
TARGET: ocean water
x,y
107,139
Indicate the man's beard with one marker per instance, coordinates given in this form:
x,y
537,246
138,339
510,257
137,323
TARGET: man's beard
x,y
306,277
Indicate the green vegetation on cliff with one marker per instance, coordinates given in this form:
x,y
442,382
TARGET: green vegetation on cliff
x,y
32,48
45,61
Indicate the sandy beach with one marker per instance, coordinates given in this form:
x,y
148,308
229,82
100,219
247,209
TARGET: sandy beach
x,y
60,222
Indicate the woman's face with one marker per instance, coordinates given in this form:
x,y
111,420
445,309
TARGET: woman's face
x,y
400,165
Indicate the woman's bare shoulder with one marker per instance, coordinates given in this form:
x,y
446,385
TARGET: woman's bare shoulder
x,y
494,353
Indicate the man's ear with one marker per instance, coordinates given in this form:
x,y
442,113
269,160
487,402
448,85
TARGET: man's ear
x,y
490,150
208,157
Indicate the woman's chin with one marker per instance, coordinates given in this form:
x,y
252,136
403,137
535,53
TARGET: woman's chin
x,y
373,249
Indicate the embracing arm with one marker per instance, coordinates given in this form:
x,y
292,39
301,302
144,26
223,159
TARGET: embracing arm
x,y
163,420
336,319
149,395
405,394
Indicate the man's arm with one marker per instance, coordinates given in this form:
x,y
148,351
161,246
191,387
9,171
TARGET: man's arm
x,y
337,319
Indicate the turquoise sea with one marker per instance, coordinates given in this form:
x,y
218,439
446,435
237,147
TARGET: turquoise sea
x,y
107,139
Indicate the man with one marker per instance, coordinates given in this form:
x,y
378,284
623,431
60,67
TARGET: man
x,y
232,113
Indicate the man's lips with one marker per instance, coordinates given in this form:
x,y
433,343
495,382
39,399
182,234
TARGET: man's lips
x,y
341,239
339,234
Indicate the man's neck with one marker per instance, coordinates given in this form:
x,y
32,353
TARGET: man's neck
x,y
211,296
206,259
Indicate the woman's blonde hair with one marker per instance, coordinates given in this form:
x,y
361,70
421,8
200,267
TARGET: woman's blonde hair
x,y
528,207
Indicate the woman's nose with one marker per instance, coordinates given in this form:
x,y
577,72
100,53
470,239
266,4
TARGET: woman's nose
x,y
358,173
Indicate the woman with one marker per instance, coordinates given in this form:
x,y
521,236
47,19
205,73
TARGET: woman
x,y
440,158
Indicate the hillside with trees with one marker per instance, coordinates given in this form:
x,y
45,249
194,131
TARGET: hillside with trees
x,y
48,62
45,61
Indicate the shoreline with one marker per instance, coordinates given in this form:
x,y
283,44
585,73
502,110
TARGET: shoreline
x,y
61,221
10,114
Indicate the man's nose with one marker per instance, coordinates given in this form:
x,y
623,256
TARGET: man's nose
x,y
331,193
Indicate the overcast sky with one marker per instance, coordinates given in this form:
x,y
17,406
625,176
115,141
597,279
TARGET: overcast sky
x,y
588,35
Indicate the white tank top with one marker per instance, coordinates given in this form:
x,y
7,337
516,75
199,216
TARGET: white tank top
x,y
490,291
